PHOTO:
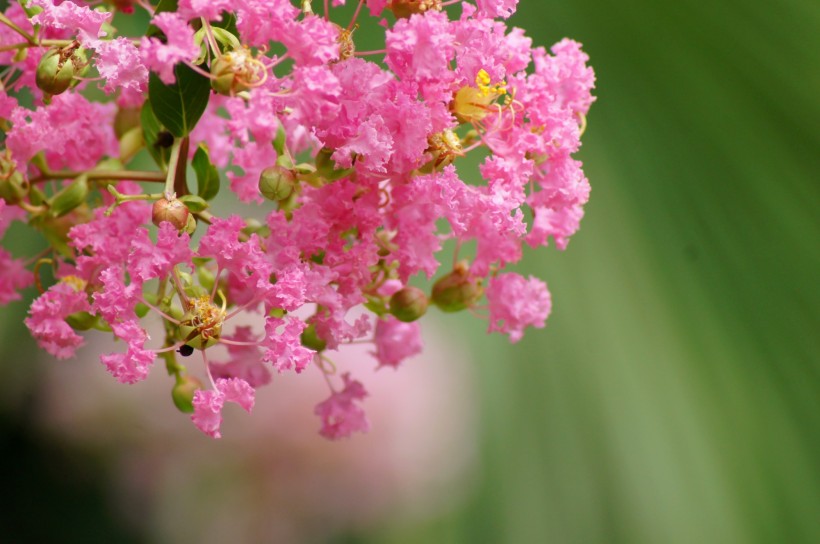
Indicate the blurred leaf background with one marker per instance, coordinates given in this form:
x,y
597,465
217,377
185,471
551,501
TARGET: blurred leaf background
x,y
673,396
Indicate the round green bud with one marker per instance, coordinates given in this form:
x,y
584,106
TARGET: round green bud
x,y
408,304
456,291
58,68
183,393
276,183
311,340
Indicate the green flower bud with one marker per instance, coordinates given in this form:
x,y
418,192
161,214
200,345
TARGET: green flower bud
x,y
69,197
183,393
276,183
125,120
173,211
408,304
59,66
81,321
457,290
311,340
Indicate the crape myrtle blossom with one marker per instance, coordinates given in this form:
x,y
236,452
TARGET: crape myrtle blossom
x,y
347,163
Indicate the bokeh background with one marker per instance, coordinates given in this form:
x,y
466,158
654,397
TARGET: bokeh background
x,y
673,396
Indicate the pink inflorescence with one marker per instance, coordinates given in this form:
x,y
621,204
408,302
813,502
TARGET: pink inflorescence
x,y
346,162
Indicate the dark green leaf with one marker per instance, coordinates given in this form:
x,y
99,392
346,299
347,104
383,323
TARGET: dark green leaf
x,y
179,106
207,176
151,129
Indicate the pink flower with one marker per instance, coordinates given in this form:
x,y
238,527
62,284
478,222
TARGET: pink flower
x,y
148,260
262,21
396,341
421,47
283,345
245,360
341,415
210,9
74,132
133,365
312,41
119,63
208,404
13,277
47,315
567,74
516,303
496,8
116,301
560,224
13,273
69,16
180,47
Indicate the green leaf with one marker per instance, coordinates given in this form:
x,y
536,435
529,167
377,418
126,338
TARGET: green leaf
x,y
179,106
207,176
194,203
151,129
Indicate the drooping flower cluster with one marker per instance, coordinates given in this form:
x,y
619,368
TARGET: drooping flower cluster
x,y
352,156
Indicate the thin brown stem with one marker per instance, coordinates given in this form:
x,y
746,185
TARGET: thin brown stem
x,y
130,175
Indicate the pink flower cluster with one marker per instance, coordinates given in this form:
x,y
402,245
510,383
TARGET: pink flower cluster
x,y
351,156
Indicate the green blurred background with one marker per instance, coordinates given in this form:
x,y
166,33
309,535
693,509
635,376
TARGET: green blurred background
x,y
673,396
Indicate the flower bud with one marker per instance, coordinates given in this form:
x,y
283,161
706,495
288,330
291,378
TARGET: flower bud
x,y
457,290
183,393
69,197
406,8
276,183
81,321
58,67
173,211
311,340
408,304
236,71
125,120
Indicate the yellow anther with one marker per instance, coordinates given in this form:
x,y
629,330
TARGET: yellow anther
x,y
74,281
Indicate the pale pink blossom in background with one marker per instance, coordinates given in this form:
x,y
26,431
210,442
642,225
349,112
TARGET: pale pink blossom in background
x,y
272,477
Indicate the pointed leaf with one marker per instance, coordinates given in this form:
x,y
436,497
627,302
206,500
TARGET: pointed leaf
x,y
179,106
158,145
207,176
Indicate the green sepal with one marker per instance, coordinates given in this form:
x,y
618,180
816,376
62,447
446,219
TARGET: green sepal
x,y
69,197
194,203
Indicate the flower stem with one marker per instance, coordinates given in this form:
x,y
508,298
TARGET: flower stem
x,y
131,175
172,169
12,25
